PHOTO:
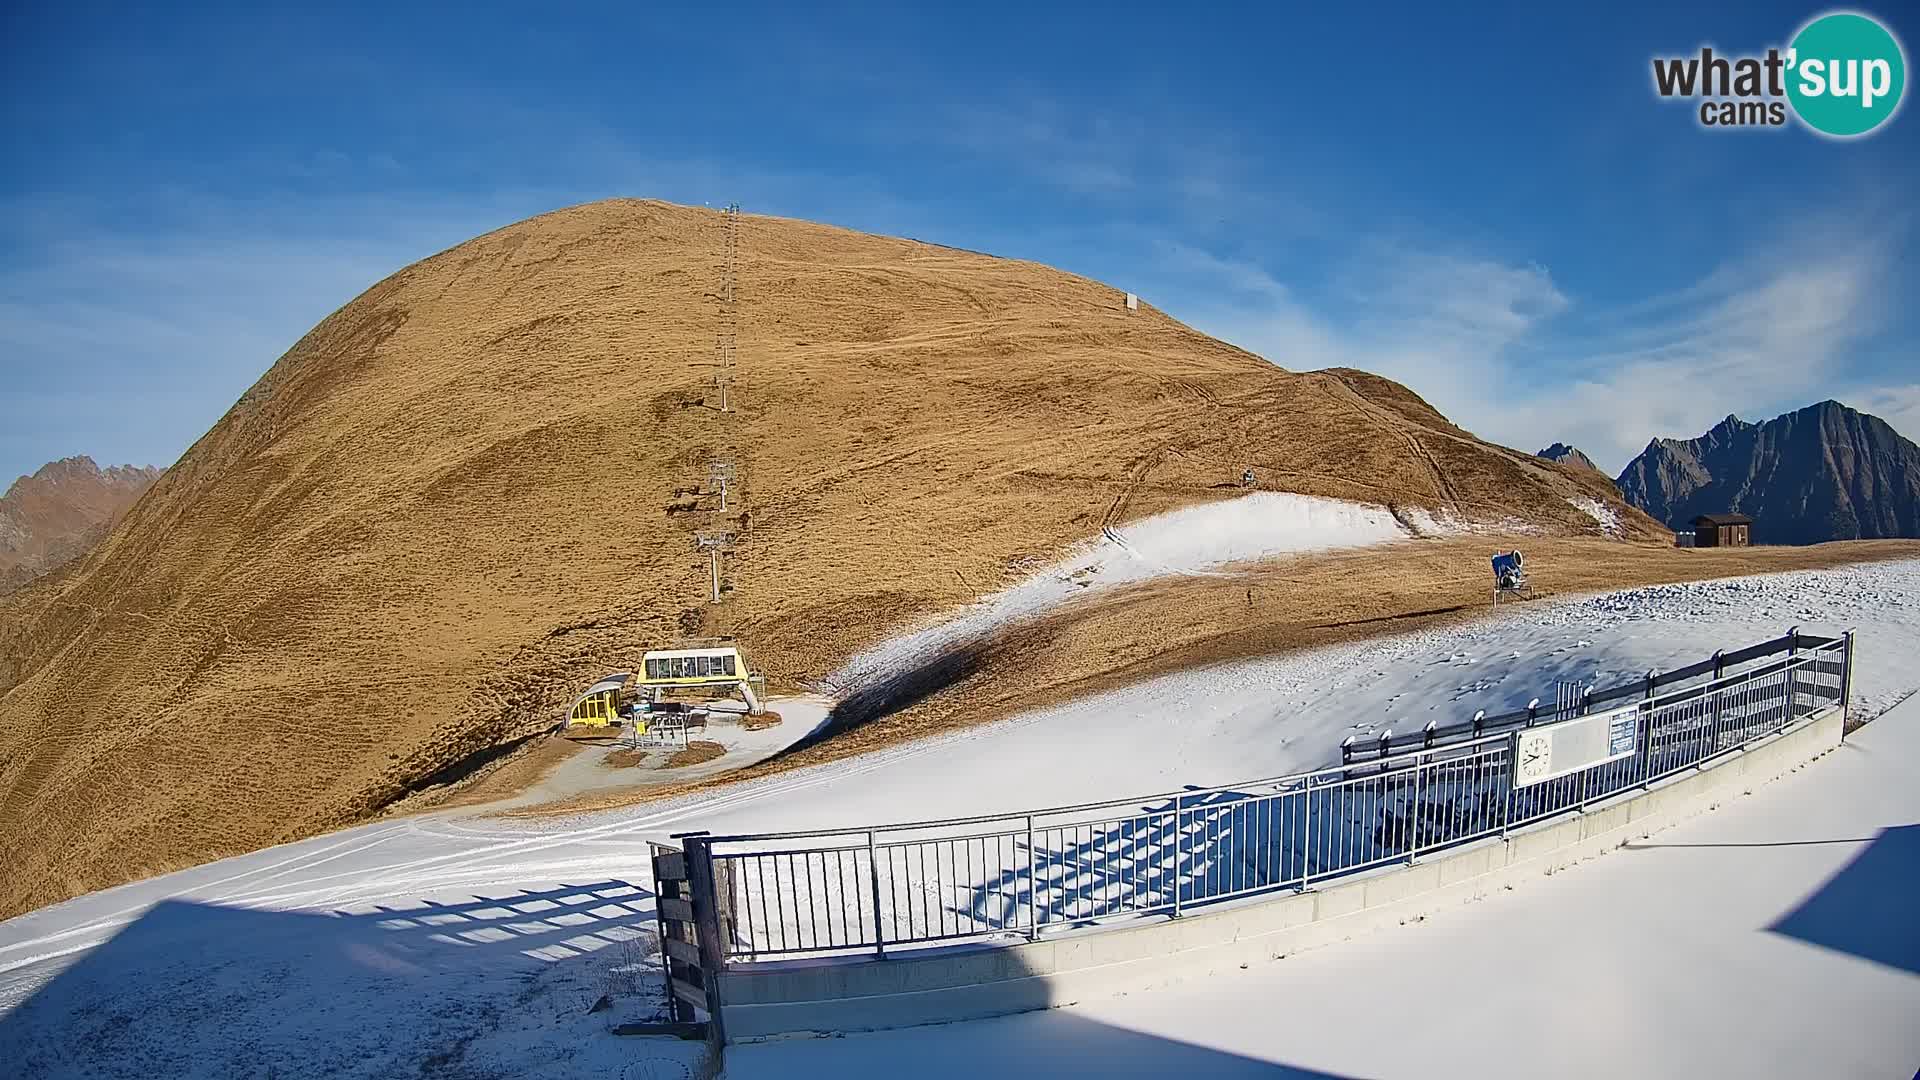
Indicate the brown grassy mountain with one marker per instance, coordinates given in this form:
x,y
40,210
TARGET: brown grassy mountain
x,y
1825,472
54,516
463,494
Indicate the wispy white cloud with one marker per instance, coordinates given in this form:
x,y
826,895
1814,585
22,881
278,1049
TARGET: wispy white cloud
x,y
127,344
1898,405
1132,156
1504,351
1500,344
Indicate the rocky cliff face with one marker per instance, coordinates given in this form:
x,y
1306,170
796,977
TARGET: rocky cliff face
x,y
1826,472
60,512
1567,455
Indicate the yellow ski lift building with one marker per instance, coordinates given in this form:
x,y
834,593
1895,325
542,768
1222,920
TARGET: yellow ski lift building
x,y
600,705
720,666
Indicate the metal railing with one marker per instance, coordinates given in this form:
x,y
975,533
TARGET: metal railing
x,y
873,889
1717,666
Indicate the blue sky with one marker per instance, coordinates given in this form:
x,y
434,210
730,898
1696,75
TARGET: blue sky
x,y
1490,206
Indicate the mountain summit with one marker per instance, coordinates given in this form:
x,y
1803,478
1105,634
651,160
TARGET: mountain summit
x,y
54,516
1825,472
1567,455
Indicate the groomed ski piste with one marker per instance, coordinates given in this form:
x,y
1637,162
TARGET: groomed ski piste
x,y
453,944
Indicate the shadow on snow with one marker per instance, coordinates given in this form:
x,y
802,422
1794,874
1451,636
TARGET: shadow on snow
x,y
197,989
1866,908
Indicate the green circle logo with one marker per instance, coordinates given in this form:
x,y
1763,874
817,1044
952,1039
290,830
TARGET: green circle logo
x,y
1845,74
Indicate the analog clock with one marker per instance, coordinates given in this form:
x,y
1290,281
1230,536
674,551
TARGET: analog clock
x,y
1532,756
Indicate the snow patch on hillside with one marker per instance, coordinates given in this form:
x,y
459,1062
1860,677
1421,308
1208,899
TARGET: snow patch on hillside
x,y
1606,516
1188,542
1444,523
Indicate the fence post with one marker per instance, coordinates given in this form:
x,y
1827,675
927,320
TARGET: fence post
x,y
1179,838
1506,815
706,923
1419,787
1646,741
873,880
1479,719
1719,699
1033,887
1846,680
1306,831
1793,676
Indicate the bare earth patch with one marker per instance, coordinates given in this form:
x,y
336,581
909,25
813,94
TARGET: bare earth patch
x,y
520,772
761,722
697,752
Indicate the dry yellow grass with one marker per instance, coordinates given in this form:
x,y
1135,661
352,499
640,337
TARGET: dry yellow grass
x,y
449,506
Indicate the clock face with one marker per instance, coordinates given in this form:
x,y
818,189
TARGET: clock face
x,y
1533,755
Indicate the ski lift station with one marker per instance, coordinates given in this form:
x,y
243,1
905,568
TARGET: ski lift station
x,y
599,706
713,668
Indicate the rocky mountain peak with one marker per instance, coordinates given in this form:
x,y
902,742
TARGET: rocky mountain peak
x,y
1824,472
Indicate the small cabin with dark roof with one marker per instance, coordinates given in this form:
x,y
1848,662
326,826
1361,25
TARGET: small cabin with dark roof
x,y
1722,530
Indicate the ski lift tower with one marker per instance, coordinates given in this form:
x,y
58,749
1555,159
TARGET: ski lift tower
x,y
720,474
714,544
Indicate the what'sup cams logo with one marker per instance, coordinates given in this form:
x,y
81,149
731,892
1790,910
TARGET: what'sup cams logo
x,y
1843,75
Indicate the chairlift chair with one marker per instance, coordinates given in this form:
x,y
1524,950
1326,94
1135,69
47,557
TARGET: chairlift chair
x,y
1510,576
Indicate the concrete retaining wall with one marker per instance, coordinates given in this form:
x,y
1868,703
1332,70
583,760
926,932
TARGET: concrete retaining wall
x,y
964,983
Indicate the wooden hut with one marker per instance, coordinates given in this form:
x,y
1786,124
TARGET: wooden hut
x,y
1722,530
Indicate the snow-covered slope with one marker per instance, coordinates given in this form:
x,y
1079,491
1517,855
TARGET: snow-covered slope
x,y
375,949
1773,938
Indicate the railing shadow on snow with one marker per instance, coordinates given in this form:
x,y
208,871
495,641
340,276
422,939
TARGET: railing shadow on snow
x,y
205,988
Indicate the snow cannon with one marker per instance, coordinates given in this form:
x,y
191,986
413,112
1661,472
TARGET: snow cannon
x,y
1510,576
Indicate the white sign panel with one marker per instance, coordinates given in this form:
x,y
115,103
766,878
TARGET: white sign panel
x,y
1543,753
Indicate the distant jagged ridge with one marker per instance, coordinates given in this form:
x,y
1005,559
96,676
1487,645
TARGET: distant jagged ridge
x,y
1825,472
1567,455
60,512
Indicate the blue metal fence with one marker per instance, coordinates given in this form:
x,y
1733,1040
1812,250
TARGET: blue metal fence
x,y
919,884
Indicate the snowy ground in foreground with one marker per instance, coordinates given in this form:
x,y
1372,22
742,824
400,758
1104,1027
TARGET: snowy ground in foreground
x,y
1776,936
446,945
